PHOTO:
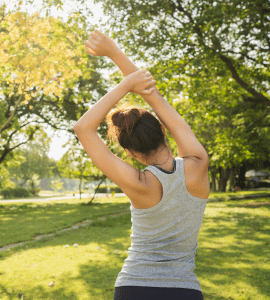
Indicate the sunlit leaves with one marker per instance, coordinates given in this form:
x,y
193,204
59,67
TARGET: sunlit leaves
x,y
34,50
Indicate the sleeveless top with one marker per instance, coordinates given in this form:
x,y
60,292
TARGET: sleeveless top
x,y
164,237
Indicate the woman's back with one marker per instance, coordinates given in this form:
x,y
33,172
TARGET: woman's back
x,y
196,178
164,235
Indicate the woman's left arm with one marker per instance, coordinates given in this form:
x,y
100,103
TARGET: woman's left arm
x,y
140,82
96,114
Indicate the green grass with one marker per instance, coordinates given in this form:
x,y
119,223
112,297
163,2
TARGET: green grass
x,y
23,221
232,260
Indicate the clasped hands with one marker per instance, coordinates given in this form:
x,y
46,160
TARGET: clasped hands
x,y
140,82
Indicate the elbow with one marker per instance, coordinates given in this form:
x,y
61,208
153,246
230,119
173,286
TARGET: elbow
x,y
77,128
206,158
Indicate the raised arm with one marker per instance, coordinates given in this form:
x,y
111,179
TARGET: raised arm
x,y
187,143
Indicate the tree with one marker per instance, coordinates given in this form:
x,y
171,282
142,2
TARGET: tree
x,y
76,164
34,162
56,184
216,54
46,76
235,32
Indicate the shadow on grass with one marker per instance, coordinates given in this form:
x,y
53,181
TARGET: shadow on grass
x,y
253,205
212,262
39,293
98,277
48,218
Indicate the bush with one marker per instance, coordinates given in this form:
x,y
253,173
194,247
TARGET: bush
x,y
35,191
17,192
103,189
116,189
7,193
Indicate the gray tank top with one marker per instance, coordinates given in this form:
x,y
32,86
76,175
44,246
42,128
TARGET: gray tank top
x,y
164,238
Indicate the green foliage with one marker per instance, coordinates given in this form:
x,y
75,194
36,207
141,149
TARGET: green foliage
x,y
17,192
35,191
210,61
47,77
56,184
31,161
112,189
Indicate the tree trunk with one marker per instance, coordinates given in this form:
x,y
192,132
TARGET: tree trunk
x,y
102,179
232,178
242,177
80,186
223,178
213,178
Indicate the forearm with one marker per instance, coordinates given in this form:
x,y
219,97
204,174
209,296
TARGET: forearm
x,y
123,62
95,115
127,67
187,143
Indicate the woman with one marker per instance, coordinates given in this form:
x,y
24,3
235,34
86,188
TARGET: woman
x,y
168,198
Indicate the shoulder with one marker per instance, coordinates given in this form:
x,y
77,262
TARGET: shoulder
x,y
196,176
194,166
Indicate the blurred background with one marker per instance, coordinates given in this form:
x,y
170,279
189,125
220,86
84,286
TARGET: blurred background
x,y
210,60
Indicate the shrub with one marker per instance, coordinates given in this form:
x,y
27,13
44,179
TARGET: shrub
x,y
7,193
116,189
103,189
35,191
16,192
19,192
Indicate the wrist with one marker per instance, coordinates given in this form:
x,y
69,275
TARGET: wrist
x,y
115,54
124,86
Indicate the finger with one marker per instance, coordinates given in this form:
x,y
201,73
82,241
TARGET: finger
x,y
93,41
93,36
152,82
87,44
148,78
90,45
97,32
148,91
89,51
90,42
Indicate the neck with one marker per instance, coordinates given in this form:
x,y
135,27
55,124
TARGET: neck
x,y
156,158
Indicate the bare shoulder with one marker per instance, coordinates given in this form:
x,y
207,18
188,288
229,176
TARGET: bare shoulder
x,y
152,191
196,174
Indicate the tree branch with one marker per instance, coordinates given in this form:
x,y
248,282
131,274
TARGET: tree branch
x,y
236,77
245,55
7,150
264,115
12,115
227,61
52,125
9,138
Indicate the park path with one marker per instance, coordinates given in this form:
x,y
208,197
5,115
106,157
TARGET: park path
x,y
74,227
88,221
77,196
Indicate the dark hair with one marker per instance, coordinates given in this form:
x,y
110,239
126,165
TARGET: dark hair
x,y
135,129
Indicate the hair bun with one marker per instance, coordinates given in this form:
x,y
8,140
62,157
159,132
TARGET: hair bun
x,y
144,138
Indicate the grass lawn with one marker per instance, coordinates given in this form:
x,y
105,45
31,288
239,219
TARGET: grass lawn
x,y
232,260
